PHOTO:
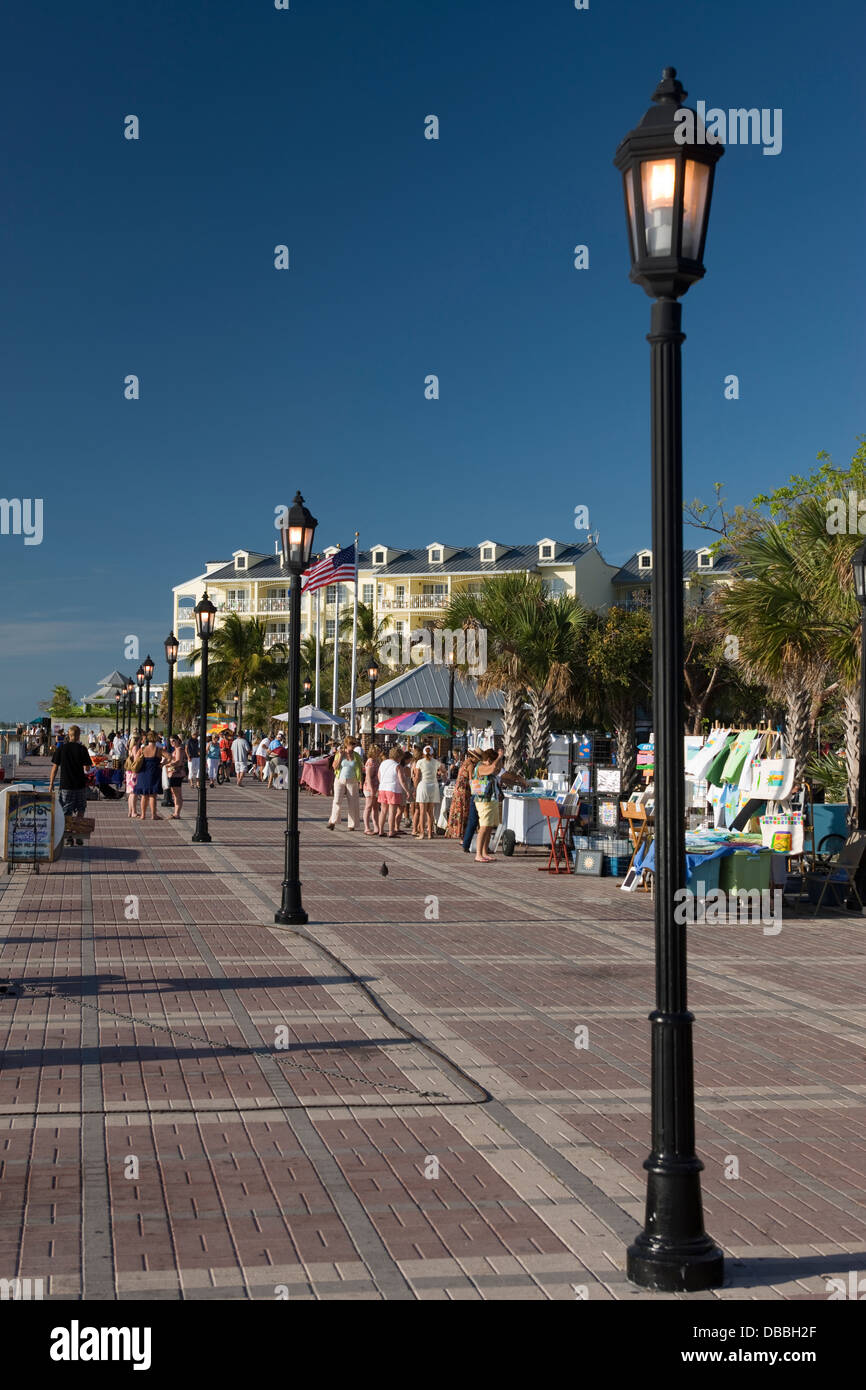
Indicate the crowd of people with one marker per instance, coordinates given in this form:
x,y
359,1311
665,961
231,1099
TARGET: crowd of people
x,y
401,787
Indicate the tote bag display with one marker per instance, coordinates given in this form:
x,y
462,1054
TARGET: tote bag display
x,y
783,832
747,773
739,752
773,779
700,761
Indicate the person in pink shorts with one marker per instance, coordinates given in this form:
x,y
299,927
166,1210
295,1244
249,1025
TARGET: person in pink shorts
x,y
390,793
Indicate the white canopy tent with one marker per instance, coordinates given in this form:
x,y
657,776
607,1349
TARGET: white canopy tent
x,y
311,714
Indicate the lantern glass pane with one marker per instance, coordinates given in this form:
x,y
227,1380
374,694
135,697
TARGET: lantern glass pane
x,y
858,565
695,187
658,186
632,220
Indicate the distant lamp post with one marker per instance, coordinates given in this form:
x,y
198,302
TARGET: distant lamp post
x,y
668,182
148,675
298,529
117,711
373,676
171,646
452,662
858,566
205,622
130,703
140,679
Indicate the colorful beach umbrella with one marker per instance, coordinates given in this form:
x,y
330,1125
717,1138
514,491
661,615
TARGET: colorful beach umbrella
x,y
417,722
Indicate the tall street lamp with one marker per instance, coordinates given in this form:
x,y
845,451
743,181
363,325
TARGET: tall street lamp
x,y
205,621
171,646
117,711
140,679
298,530
373,674
858,566
452,661
668,184
130,703
148,676
235,698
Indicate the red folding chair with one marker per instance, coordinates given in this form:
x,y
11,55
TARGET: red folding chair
x,y
557,824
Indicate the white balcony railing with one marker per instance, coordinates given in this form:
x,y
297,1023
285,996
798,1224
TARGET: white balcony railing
x,y
185,647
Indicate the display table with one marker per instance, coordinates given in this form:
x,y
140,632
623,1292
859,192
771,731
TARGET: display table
x,y
522,815
318,775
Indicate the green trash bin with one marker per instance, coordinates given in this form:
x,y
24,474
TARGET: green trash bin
x,y
744,870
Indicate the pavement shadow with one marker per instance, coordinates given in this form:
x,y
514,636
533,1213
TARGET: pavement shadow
x,y
761,1272
94,987
19,1058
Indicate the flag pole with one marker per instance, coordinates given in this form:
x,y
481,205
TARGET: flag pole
x,y
336,692
354,645
318,655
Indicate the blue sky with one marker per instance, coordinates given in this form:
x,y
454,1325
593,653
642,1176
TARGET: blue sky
x,y
408,257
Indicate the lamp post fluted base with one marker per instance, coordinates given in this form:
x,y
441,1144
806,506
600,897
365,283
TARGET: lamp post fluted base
x,y
667,1266
201,836
291,912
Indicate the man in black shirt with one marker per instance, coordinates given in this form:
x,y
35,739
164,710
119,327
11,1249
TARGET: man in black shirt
x,y
72,758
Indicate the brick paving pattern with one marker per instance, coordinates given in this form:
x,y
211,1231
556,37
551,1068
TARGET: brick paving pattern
x,y
196,1103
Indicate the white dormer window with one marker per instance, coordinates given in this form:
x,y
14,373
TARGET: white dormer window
x,y
547,552
240,562
548,549
487,552
378,557
705,560
436,557
645,561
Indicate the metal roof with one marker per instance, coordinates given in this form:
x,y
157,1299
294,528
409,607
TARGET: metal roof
x,y
116,681
426,687
630,574
465,560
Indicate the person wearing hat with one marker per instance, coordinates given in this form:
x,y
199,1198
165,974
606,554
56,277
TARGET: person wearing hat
x,y
427,771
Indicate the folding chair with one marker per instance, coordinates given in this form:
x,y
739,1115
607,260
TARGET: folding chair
x,y
841,871
558,848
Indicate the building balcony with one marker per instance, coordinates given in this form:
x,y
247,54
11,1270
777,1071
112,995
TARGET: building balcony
x,y
185,647
415,603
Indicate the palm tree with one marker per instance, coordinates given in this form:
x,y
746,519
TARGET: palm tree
x,y
371,633
553,645
187,699
237,657
503,609
619,677
787,609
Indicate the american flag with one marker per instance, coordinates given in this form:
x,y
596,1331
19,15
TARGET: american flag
x,y
331,570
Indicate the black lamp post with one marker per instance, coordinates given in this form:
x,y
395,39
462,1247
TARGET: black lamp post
x,y
668,187
373,674
148,676
130,703
117,711
451,664
171,649
205,621
140,679
308,685
858,566
298,530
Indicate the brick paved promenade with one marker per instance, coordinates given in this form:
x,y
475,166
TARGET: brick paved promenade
x,y
221,1108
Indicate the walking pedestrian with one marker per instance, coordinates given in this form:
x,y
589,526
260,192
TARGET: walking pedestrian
x,y
485,795
390,794
371,791
240,751
148,779
347,781
427,773
462,798
177,767
262,757
129,779
193,760
212,759
70,760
